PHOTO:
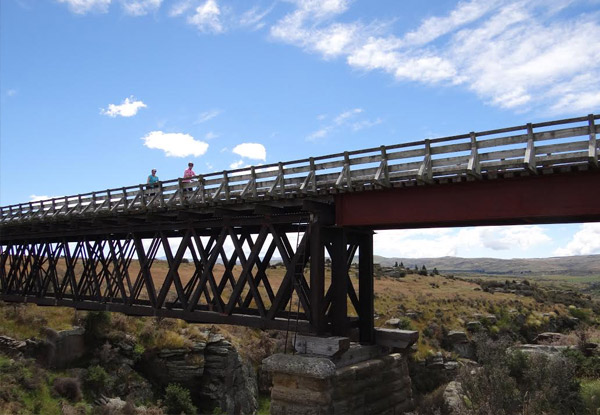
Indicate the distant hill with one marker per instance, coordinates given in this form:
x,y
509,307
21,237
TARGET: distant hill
x,y
571,265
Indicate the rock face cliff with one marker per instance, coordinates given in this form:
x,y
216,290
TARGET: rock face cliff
x,y
213,370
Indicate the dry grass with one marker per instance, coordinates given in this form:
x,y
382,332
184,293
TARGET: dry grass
x,y
439,301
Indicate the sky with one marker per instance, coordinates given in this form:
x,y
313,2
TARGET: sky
x,y
96,93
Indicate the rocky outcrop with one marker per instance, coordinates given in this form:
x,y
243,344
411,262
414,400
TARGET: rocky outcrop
x,y
228,381
59,350
213,371
460,344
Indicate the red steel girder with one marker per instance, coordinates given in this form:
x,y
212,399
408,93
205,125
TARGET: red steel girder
x,y
553,198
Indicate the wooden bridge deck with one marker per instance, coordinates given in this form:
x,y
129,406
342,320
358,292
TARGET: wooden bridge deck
x,y
554,146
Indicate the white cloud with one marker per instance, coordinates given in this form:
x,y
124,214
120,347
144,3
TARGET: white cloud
x,y
207,115
467,242
128,108
140,7
511,53
37,198
236,164
85,6
254,151
175,144
585,242
207,17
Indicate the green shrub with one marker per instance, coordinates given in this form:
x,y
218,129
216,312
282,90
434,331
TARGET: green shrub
x,y
97,380
578,313
586,366
177,400
68,388
590,394
96,324
513,382
404,323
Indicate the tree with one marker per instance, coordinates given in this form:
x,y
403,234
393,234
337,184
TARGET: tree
x,y
396,264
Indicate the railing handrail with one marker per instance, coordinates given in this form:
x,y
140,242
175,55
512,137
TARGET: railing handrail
x,y
422,162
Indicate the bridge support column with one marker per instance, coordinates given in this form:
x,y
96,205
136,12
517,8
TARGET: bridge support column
x,y
362,380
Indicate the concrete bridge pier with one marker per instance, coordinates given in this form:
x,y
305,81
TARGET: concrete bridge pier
x,y
351,379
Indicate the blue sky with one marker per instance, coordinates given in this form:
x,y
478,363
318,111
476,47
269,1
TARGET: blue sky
x,y
95,93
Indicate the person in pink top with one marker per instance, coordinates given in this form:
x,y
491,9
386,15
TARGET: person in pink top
x,y
187,174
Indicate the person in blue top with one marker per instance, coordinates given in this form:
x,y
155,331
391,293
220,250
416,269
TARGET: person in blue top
x,y
152,181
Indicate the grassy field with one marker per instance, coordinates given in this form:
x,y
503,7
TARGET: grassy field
x,y
440,303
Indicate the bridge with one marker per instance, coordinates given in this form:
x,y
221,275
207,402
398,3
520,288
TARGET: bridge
x,y
221,232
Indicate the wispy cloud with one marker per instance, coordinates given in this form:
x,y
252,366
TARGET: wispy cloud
x,y
180,8
341,120
175,144
86,6
255,17
254,151
207,115
140,7
210,135
128,108
511,53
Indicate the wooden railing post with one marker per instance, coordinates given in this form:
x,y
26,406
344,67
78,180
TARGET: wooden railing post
x,y
382,175
251,185
143,196
125,202
160,194
345,174
530,150
593,146
473,167
226,184
425,173
311,178
201,189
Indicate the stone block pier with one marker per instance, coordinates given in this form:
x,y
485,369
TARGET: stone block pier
x,y
349,379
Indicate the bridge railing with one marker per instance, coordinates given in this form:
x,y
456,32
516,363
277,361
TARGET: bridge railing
x,y
567,142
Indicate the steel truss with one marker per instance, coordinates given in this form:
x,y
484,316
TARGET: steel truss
x,y
217,274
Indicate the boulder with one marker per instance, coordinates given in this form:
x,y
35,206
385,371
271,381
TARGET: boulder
x,y
548,337
68,346
544,349
457,337
453,397
11,347
393,322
